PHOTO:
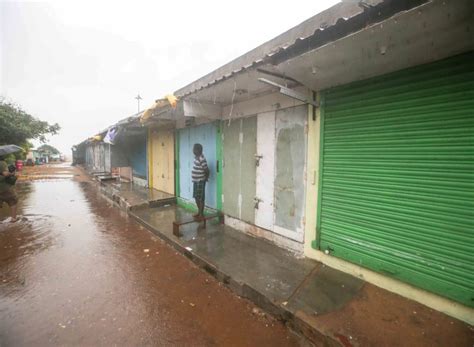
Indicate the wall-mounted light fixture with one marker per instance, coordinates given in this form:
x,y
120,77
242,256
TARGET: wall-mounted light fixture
x,y
289,92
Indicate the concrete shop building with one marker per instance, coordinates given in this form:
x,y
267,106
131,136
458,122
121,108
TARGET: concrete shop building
x,y
127,150
160,120
348,139
98,157
378,179
131,141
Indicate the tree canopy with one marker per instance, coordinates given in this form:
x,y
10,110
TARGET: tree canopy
x,y
48,149
17,126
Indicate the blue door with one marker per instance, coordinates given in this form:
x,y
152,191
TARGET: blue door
x,y
205,135
137,156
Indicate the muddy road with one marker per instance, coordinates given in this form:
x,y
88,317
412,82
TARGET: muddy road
x,y
77,271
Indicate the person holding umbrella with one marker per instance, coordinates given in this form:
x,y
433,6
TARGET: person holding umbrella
x,y
7,181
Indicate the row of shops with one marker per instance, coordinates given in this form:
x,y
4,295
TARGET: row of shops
x,y
348,139
120,150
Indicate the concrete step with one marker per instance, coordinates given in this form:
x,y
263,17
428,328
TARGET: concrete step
x,y
325,305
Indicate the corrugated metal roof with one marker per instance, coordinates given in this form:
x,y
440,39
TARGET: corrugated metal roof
x,y
327,26
129,120
135,118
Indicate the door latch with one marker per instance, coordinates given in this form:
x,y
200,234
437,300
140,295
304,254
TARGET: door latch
x,y
257,201
257,159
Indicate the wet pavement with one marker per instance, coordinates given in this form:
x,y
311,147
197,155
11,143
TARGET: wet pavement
x,y
272,271
78,271
325,304
131,196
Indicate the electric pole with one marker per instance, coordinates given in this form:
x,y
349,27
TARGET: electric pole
x,y
138,97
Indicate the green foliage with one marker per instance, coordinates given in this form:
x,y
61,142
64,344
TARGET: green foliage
x,y
26,148
48,149
17,126
10,158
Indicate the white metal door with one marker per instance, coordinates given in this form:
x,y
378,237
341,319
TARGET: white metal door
x,y
265,170
290,168
107,158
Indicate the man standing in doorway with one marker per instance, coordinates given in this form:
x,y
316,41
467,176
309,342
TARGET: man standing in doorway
x,y
200,176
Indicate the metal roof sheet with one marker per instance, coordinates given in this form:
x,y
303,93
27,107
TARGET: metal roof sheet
x,y
336,22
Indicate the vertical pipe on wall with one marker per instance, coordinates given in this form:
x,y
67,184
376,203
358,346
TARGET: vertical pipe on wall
x,y
147,157
176,163
321,168
150,158
219,165
312,174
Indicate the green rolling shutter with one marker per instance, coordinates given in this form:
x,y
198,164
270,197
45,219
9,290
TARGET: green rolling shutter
x,y
397,176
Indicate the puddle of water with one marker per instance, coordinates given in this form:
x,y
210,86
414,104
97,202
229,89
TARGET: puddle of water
x,y
73,271
70,271
51,176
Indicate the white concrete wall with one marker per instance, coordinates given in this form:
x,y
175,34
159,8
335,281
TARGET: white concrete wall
x,y
260,104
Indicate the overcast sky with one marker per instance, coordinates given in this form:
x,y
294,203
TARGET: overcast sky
x,y
81,63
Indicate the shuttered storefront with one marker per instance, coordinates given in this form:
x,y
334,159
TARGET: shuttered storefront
x,y
397,176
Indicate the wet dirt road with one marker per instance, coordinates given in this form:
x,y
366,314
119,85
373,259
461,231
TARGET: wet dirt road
x,y
76,271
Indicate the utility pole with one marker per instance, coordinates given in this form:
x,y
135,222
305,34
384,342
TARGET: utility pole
x,y
138,98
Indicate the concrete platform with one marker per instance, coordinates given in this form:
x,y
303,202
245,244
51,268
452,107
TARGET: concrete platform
x,y
129,196
271,271
328,306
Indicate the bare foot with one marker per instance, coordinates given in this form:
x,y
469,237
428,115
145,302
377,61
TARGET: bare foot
x,y
13,220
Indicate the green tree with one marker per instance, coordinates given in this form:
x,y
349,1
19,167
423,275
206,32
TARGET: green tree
x,y
48,149
17,126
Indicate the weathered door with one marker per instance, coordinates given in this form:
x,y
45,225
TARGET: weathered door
x,y
95,158
239,138
162,160
265,161
99,157
206,135
90,157
107,156
290,168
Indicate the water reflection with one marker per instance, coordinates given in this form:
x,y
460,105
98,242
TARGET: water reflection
x,y
74,271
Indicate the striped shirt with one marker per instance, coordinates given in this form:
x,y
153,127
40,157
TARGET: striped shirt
x,y
199,169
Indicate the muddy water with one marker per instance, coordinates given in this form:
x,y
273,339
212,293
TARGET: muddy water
x,y
76,271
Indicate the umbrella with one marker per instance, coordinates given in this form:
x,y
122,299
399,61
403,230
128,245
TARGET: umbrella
x,y
7,149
